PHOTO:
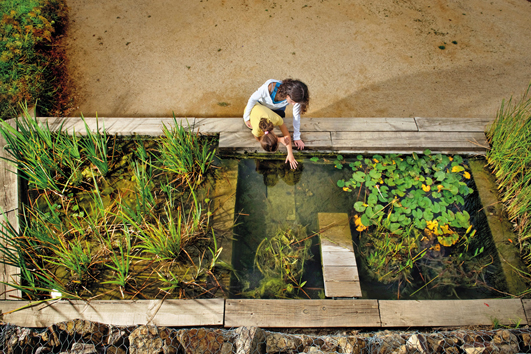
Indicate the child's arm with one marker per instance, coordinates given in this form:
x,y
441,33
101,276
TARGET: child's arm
x,y
296,126
287,142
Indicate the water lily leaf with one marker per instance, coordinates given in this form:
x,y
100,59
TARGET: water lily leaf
x,y
443,220
394,226
439,175
436,195
393,218
420,223
339,166
451,215
365,220
452,188
369,212
375,174
465,190
370,183
436,208
358,176
458,159
339,157
360,207
428,215
367,161
429,181
377,208
341,183
427,152
373,199
359,157
314,159
405,221
390,182
459,200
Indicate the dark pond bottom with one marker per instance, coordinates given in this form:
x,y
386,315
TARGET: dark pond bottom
x,y
271,196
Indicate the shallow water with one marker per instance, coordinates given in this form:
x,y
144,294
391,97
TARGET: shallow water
x,y
270,196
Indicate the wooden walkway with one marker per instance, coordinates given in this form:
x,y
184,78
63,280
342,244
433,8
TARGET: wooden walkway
x,y
340,272
230,313
355,135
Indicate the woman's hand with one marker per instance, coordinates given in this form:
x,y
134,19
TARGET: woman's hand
x,y
299,144
248,123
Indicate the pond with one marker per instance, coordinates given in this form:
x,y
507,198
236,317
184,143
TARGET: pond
x,y
106,217
416,224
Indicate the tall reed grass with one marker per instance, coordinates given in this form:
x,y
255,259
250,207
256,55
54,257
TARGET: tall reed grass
x,y
510,160
96,219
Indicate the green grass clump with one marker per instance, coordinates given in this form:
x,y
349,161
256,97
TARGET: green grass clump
x,y
510,159
30,63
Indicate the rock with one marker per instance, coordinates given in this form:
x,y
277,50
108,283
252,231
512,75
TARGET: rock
x,y
20,341
505,349
82,348
474,348
87,331
387,343
280,343
43,350
418,343
452,350
153,340
351,345
504,337
203,340
525,337
249,340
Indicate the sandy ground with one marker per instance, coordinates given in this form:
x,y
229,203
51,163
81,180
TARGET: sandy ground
x,y
371,58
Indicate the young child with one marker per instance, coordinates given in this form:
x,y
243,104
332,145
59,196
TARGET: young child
x,y
276,95
263,120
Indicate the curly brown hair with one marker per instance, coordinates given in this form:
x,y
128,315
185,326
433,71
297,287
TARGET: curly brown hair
x,y
269,140
297,91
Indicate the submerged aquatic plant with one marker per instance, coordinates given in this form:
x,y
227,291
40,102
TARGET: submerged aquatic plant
x,y
95,147
281,259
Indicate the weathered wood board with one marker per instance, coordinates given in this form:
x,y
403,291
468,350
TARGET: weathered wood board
x,y
224,204
245,141
409,141
218,125
174,313
340,272
8,178
527,308
355,124
119,126
302,313
413,313
9,273
453,124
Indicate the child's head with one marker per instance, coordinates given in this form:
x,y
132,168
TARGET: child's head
x,y
269,140
297,91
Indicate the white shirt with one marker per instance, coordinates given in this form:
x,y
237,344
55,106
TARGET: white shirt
x,y
263,97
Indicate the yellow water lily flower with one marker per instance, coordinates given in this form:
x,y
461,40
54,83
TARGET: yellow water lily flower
x,y
346,189
425,188
450,158
432,224
359,225
439,188
466,175
446,230
436,248
375,160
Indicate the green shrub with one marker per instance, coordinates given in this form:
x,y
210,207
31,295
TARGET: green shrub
x,y
30,65
510,160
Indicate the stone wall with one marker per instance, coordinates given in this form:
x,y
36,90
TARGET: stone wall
x,y
85,337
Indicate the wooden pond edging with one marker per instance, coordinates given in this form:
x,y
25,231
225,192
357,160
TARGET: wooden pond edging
x,y
370,135
275,313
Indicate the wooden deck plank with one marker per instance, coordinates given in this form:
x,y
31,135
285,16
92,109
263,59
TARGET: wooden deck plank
x,y
219,125
9,273
175,313
338,259
119,126
302,313
409,141
354,124
340,273
452,124
245,141
9,185
343,288
336,274
412,313
526,303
